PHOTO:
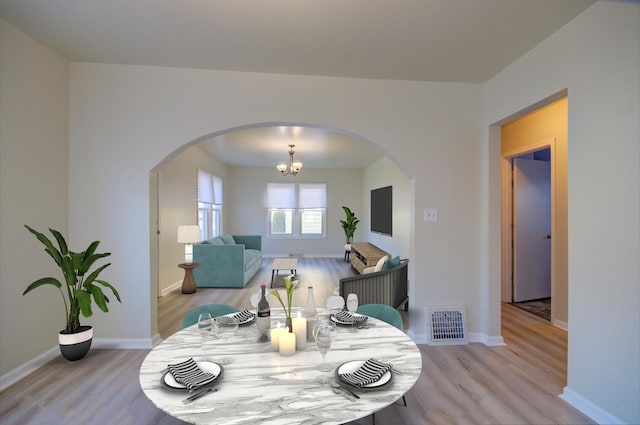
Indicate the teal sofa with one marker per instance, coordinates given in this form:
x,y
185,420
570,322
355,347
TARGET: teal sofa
x,y
227,261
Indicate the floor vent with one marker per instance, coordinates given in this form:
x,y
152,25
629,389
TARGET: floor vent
x,y
447,326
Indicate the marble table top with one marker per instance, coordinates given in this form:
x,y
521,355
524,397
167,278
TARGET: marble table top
x,y
261,386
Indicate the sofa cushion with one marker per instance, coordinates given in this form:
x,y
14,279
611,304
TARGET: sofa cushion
x,y
214,241
228,240
250,257
391,263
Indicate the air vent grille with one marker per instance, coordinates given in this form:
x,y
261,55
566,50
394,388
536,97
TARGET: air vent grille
x,y
447,326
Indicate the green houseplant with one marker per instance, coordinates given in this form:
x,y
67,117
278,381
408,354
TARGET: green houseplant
x,y
350,224
79,288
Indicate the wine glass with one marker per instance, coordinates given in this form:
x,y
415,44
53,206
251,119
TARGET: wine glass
x,y
225,329
324,334
324,319
352,306
205,326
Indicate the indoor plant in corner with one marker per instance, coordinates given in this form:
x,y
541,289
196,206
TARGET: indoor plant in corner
x,y
78,288
349,226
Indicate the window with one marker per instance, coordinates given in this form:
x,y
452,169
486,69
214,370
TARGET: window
x,y
296,210
209,205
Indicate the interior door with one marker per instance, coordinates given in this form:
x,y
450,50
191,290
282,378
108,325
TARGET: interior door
x,y
532,229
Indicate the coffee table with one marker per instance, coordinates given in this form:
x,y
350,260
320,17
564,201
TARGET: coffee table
x,y
283,264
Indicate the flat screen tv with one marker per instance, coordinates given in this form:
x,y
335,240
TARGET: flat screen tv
x,y
382,210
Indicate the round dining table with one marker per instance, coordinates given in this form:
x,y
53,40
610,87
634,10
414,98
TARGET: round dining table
x,y
262,386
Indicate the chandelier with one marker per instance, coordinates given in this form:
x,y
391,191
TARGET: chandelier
x,y
293,168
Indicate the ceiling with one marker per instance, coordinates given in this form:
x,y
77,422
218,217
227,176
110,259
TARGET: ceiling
x,y
421,40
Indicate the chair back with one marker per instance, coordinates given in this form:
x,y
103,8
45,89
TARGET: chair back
x,y
383,312
335,302
215,310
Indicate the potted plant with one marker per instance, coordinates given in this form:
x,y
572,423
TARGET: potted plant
x,y
349,225
79,287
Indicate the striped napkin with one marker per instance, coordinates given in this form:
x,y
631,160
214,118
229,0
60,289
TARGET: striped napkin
x,y
189,374
348,317
242,317
369,372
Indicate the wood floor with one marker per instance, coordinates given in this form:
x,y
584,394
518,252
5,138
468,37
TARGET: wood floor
x,y
473,384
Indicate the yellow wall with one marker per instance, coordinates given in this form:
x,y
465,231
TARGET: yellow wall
x,y
544,124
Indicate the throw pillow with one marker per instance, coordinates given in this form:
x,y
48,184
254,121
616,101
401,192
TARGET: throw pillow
x,y
215,241
389,264
380,263
228,240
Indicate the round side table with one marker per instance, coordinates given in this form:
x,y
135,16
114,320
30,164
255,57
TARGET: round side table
x,y
189,283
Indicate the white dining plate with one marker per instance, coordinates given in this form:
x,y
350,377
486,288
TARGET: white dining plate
x,y
352,366
170,383
359,318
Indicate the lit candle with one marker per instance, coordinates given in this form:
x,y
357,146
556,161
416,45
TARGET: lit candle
x,y
275,337
300,330
287,342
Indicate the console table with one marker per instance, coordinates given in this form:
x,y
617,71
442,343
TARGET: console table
x,y
364,254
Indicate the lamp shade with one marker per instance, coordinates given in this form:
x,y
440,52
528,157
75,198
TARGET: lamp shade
x,y
188,234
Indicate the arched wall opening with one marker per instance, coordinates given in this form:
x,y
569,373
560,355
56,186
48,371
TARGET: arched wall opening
x,y
165,276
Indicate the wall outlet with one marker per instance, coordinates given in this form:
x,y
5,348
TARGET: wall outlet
x,y
430,215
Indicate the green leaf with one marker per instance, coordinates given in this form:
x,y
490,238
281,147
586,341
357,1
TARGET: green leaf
x,y
108,285
89,279
88,261
41,282
61,242
276,294
84,301
68,271
49,248
99,298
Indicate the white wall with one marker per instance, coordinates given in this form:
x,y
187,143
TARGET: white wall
x,y
430,129
34,95
380,174
248,214
177,205
597,58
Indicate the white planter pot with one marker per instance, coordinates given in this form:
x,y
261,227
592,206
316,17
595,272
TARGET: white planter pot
x,y
76,345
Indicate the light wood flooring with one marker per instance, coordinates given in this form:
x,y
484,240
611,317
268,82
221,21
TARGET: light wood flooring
x,y
473,384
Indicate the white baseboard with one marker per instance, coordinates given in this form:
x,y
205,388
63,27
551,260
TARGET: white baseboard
x,y
489,341
585,406
562,325
28,368
418,339
37,362
171,288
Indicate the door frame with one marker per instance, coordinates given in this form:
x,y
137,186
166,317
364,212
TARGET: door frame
x,y
506,180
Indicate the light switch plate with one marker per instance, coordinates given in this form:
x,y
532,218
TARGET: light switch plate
x,y
430,215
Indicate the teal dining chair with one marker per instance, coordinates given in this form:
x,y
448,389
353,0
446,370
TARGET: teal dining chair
x,y
382,312
386,314
215,310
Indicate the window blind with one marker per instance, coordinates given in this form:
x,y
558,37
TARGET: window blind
x,y
313,195
209,188
281,195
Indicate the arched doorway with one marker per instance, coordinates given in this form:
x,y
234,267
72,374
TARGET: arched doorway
x,y
185,156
